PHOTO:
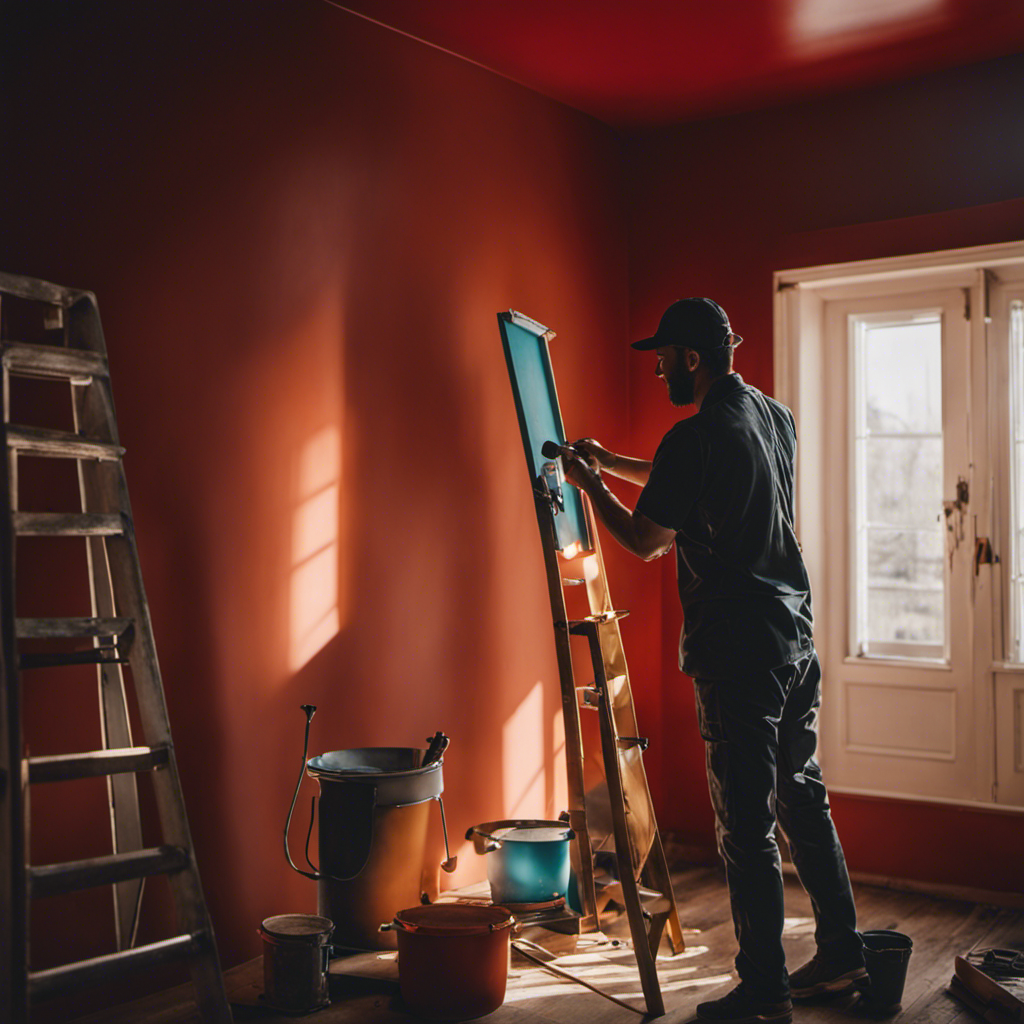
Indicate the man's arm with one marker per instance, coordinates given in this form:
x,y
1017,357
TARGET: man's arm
x,y
636,471
633,530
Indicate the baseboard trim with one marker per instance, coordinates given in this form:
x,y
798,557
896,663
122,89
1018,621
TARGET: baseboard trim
x,y
968,894
695,854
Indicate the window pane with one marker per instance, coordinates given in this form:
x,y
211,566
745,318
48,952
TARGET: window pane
x,y
898,478
907,616
906,559
903,480
903,378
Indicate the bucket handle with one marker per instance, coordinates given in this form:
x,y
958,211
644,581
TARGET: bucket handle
x,y
493,842
310,710
411,927
316,875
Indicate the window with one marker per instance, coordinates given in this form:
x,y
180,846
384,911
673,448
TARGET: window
x,y
906,378
900,593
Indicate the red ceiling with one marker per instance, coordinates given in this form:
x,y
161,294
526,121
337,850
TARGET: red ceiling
x,y
648,62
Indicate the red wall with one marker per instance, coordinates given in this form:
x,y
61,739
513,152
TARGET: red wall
x,y
300,228
715,208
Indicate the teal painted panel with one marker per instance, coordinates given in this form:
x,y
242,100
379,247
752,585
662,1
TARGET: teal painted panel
x,y
540,420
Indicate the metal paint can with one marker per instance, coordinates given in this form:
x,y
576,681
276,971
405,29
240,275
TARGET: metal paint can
x,y
373,814
295,956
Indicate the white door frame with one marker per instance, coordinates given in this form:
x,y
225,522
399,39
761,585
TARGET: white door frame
x,y
800,296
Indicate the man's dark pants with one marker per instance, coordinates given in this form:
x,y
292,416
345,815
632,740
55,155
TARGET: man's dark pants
x,y
761,733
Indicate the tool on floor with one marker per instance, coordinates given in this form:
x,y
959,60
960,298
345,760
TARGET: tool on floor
x,y
568,537
991,982
118,632
374,813
542,958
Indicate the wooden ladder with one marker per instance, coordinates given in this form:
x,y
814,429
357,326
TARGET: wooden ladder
x,y
644,884
118,632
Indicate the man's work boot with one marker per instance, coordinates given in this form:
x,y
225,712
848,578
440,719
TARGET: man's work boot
x,y
817,978
740,1008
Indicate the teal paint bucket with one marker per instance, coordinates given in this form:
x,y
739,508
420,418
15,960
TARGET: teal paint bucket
x,y
886,955
527,859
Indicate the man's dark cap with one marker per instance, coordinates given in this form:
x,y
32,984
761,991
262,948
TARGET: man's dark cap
x,y
696,323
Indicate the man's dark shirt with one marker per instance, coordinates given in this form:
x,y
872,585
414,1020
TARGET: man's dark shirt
x,y
724,481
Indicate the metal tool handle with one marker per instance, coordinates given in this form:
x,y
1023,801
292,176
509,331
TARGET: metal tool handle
x,y
449,863
436,746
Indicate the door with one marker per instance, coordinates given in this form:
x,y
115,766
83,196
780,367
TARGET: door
x,y
896,611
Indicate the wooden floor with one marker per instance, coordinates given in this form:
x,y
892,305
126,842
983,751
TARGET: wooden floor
x,y
940,929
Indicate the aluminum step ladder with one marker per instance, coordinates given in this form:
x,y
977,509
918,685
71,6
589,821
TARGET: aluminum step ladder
x,y
118,632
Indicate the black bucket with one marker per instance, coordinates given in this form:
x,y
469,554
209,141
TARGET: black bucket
x,y
886,955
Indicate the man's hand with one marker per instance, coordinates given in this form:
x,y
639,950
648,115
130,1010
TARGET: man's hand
x,y
633,530
578,470
596,456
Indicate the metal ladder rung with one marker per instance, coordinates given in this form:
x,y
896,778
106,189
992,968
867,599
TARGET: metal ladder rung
x,y
67,524
64,767
43,984
66,628
60,444
74,364
52,879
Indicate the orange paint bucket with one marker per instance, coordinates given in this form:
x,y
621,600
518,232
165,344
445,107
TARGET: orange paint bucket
x,y
452,959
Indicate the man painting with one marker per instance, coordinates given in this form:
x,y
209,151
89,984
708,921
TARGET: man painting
x,y
720,489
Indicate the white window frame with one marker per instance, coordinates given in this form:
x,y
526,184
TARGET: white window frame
x,y
997,690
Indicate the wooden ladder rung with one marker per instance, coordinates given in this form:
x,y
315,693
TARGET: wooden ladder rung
x,y
52,879
61,659
35,289
68,628
582,627
73,364
51,982
75,628
59,444
67,524
64,767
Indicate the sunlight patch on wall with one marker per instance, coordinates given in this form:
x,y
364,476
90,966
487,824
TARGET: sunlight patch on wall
x,y
315,614
560,779
522,754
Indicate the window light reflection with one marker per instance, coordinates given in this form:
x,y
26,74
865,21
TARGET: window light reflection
x,y
522,746
315,616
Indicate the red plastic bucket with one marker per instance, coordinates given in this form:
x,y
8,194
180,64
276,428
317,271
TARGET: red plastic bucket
x,y
453,959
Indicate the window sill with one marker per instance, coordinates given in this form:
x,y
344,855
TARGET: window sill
x,y
934,664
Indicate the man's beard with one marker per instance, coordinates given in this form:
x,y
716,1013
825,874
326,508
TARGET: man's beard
x,y
681,385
